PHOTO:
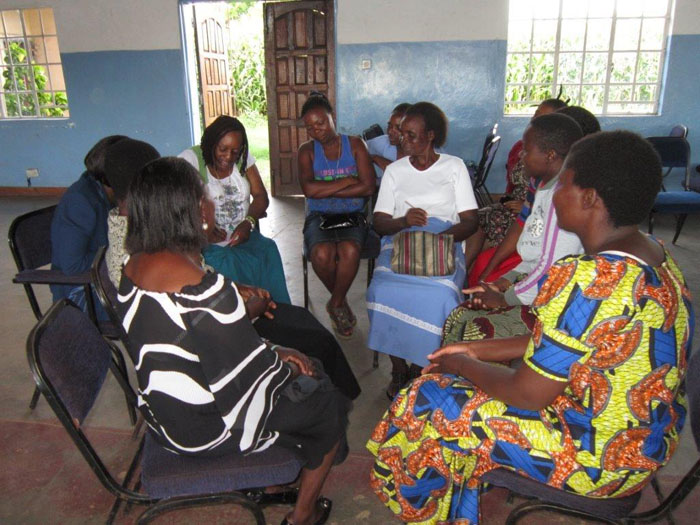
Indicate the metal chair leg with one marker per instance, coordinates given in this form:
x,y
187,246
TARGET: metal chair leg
x,y
375,360
35,399
679,226
304,265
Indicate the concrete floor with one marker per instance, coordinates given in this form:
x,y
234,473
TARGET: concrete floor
x,y
43,479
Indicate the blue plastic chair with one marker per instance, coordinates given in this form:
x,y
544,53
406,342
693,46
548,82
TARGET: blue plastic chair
x,y
674,153
69,360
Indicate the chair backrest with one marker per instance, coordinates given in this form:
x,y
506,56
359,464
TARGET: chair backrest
x,y
674,153
679,130
107,293
489,153
692,388
69,360
374,131
30,238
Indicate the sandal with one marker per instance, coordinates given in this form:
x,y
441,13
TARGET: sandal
x,y
340,321
325,504
351,315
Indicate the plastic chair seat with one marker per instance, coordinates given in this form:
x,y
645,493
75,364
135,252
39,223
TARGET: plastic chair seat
x,y
166,474
677,202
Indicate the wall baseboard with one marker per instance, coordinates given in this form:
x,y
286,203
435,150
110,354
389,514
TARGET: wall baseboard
x,y
21,191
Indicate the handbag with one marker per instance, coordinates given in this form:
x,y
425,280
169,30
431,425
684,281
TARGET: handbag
x,y
339,221
423,253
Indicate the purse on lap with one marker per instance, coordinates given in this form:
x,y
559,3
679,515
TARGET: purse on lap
x,y
423,253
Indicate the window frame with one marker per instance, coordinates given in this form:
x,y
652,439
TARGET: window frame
x,y
520,105
26,39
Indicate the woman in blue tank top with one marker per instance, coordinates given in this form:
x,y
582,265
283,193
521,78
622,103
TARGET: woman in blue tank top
x,y
336,176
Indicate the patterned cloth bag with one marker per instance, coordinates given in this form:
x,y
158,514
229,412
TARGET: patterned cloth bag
x,y
423,253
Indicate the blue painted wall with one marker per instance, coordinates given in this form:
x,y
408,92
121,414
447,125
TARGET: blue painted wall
x,y
137,93
466,79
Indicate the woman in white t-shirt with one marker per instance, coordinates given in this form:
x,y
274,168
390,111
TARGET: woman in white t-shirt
x,y
238,250
424,190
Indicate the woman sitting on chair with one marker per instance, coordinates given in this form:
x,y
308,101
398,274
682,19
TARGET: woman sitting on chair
x,y
336,176
597,405
238,250
425,191
208,385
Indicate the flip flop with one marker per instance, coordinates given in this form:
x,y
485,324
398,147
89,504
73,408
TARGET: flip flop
x,y
326,506
351,315
340,321
262,498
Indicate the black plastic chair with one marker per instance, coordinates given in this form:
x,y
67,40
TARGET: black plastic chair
x,y
372,132
481,173
69,359
29,237
674,153
608,510
679,130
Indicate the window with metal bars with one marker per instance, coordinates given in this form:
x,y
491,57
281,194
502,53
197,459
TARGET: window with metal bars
x,y
31,75
604,55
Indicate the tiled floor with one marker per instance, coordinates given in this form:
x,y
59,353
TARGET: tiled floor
x,y
43,480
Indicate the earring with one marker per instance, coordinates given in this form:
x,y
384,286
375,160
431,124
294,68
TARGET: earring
x,y
205,226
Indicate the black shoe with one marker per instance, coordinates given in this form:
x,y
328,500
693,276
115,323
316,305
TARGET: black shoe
x,y
398,380
262,498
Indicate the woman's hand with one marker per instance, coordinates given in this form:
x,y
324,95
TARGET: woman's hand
x,y
416,217
241,234
259,297
485,296
295,357
216,234
514,206
448,359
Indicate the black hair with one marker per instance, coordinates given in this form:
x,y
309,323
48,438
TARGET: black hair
x,y
215,131
123,160
163,204
587,120
95,158
401,108
623,168
316,100
556,132
434,119
554,103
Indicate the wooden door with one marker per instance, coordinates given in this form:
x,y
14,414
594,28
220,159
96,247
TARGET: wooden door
x,y
212,61
299,58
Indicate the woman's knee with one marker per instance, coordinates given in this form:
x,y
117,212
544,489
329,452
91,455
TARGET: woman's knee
x,y
323,254
348,250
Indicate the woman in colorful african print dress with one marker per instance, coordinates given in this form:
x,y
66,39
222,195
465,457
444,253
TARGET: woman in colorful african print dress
x,y
597,406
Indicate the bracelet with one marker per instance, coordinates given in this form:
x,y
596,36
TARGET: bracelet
x,y
274,347
251,220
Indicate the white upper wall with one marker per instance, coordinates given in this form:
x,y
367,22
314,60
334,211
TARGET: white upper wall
x,y
372,21
111,25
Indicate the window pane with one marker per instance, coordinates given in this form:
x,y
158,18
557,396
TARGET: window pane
x,y
600,8
37,50
540,92
572,35
518,69
570,67
52,53
520,10
32,22
17,53
13,24
653,33
627,35
592,98
620,93
598,35
623,67
571,91
517,109
546,9
648,67
516,93
48,21
27,106
11,105
645,93
595,68
545,35
519,34
629,7
542,68
573,9
655,7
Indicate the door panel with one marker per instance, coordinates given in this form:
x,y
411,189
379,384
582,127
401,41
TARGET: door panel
x,y
299,58
212,59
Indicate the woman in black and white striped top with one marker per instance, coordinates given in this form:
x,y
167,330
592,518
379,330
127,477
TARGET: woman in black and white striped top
x,y
208,385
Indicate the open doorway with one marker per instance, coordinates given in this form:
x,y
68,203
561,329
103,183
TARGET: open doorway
x,y
285,48
226,70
